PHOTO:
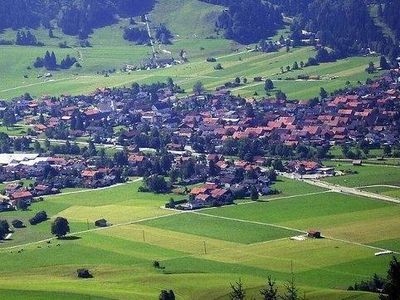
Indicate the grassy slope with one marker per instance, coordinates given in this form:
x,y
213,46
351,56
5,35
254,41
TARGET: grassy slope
x,y
192,22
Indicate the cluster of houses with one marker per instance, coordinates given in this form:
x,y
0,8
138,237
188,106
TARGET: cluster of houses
x,y
155,118
49,175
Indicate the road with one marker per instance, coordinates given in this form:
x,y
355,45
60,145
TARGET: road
x,y
343,189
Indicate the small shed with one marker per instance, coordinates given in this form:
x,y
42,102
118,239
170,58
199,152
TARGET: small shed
x,y
314,234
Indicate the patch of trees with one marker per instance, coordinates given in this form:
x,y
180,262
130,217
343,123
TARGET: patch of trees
x,y
389,12
101,223
26,39
167,295
136,35
389,287
49,62
84,273
163,35
156,184
269,292
17,224
248,21
40,217
60,227
336,24
4,229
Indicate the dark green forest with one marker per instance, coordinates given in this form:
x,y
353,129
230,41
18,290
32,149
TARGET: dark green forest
x,y
345,26
74,17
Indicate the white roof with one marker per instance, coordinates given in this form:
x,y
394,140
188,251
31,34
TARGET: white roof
x,y
20,158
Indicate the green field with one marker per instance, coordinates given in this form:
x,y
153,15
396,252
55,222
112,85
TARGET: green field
x,y
213,246
366,175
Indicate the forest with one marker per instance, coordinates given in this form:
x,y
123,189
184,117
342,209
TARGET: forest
x,y
77,17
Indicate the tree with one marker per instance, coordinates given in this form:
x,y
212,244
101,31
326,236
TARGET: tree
x,y
280,95
198,88
323,93
270,292
291,292
295,66
238,292
60,227
371,68
4,228
383,63
167,295
254,193
269,85
391,289
9,118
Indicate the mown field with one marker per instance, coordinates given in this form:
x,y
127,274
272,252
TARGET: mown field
x,y
191,22
200,252
366,175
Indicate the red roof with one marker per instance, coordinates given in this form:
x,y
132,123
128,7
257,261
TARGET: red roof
x,y
21,195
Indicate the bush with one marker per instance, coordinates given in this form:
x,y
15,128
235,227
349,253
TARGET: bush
x,y
211,59
156,264
84,273
38,218
101,223
17,224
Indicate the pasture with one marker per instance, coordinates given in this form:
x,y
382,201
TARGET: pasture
x,y
212,246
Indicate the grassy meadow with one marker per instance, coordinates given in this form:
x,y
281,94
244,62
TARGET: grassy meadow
x,y
213,247
365,175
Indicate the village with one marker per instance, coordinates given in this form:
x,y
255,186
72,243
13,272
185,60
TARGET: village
x,y
222,146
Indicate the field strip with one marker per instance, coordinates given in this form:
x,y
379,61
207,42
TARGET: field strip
x,y
295,229
250,222
94,190
37,83
272,199
92,230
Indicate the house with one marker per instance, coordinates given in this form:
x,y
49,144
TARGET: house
x,y
357,162
314,234
21,195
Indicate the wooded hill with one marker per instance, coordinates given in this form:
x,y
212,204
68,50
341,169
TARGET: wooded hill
x,y
345,26
73,17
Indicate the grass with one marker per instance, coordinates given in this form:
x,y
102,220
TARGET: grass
x,y
223,229
366,175
195,248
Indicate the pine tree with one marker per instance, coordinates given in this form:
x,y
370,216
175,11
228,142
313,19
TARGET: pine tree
x,y
238,292
270,292
392,286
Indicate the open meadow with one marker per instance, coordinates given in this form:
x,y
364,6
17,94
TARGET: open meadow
x,y
200,252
